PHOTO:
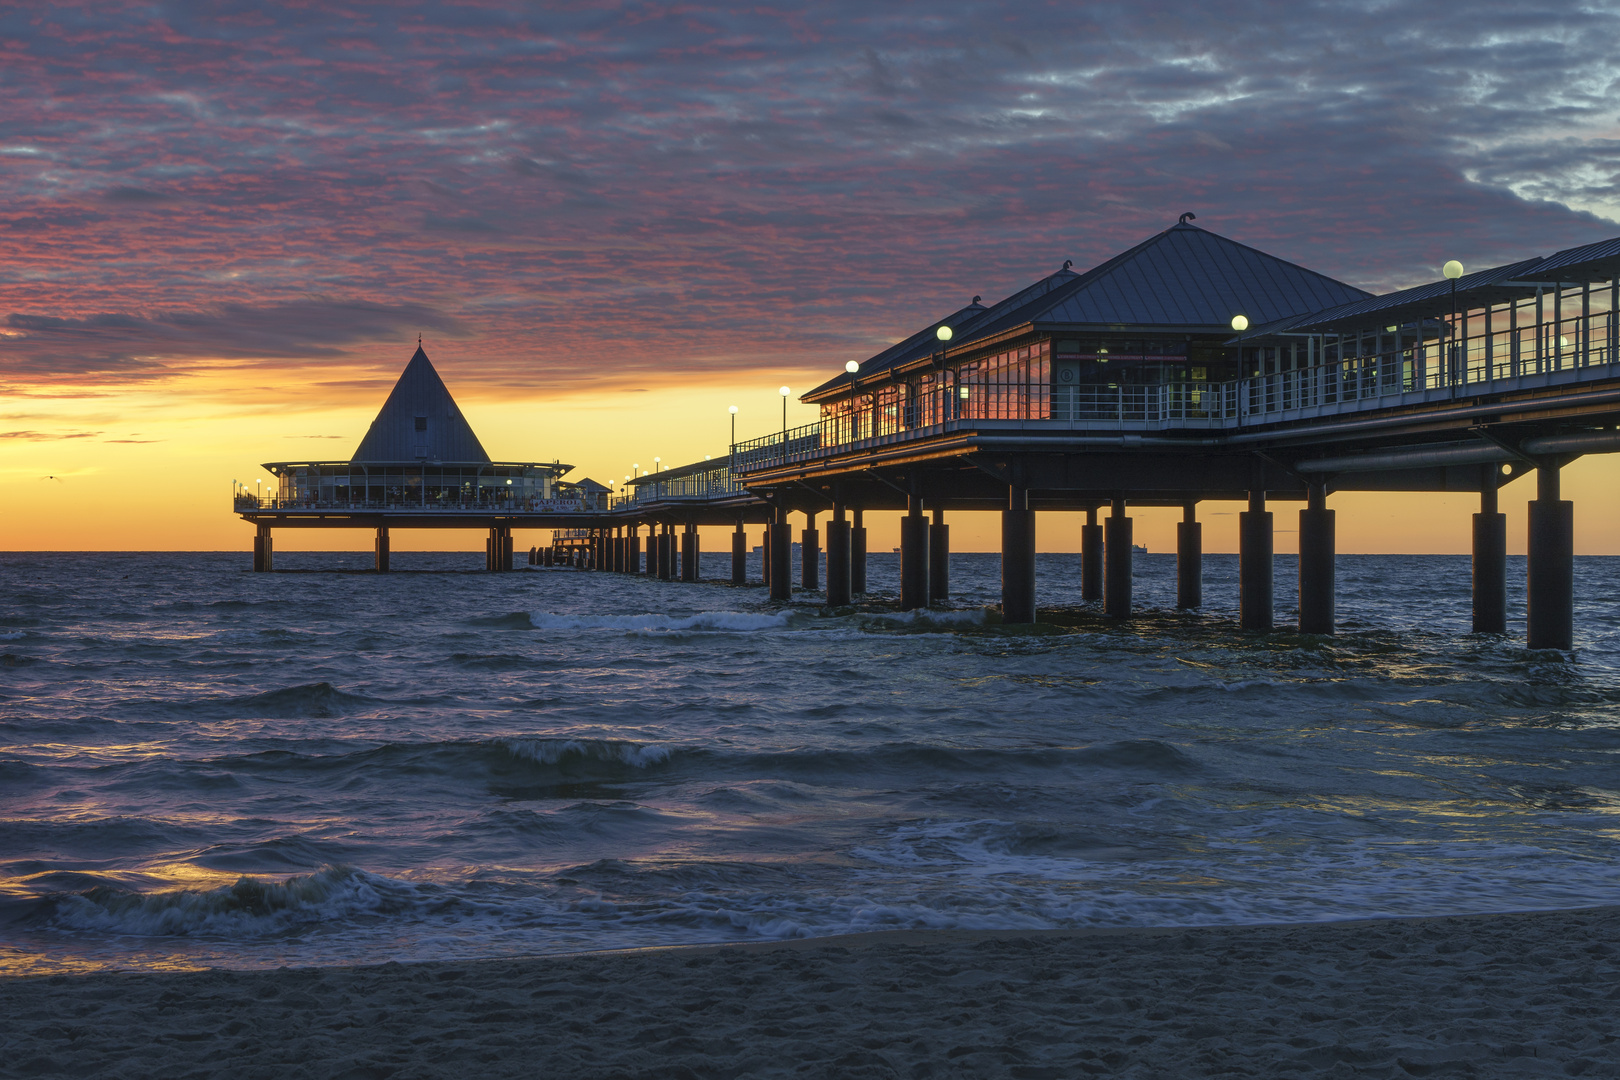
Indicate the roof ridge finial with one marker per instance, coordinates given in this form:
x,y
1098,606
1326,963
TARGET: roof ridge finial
x,y
1188,216
1067,263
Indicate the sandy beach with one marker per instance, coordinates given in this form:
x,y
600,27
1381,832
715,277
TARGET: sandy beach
x,y
1494,995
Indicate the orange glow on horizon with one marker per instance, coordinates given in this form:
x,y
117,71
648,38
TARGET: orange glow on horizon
x,y
149,466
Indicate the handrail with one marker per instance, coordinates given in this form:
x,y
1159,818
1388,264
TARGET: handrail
x,y
249,502
1426,372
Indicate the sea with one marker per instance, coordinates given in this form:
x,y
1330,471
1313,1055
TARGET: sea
x,y
206,767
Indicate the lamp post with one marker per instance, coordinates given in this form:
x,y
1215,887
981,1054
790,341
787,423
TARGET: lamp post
x,y
944,335
657,466
733,411
1453,270
784,391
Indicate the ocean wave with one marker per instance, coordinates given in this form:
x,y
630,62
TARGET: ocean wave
x,y
319,700
651,623
251,908
13,635
561,751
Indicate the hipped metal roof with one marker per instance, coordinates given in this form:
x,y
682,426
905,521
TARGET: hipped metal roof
x,y
1182,279
1499,284
420,393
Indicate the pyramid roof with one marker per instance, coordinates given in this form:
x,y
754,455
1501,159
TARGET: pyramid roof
x,y
420,400
1184,278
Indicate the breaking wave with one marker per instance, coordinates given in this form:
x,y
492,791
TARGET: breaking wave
x,y
250,908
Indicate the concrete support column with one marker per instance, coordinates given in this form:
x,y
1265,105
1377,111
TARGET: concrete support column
x,y
768,546
1017,558
1254,564
810,554
689,554
1317,549
914,557
632,563
491,546
380,549
781,558
739,555
1550,588
506,549
838,590
549,554
857,556
1490,558
939,558
1189,559
1117,563
1091,557
263,550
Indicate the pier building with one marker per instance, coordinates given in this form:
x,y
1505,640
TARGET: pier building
x,y
1193,368
419,466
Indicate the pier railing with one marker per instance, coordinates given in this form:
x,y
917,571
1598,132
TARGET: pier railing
x,y
1556,353
703,486
249,502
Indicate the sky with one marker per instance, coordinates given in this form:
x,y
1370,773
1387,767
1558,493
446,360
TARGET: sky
x,y
223,226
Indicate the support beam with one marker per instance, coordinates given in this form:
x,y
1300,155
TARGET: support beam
x,y
857,556
1254,564
914,557
690,554
633,551
1017,558
1317,551
666,552
838,558
1091,557
768,546
781,558
810,554
1550,588
939,558
506,549
1490,557
1189,559
380,549
1117,563
739,555
263,550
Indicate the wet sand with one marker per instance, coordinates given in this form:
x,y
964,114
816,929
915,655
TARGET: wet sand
x,y
1478,996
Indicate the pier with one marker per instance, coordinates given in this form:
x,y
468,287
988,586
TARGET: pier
x,y
1189,369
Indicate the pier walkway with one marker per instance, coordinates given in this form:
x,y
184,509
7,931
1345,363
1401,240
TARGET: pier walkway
x,y
1188,369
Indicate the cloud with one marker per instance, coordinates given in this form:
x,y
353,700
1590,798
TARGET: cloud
x,y
609,194
127,344
47,436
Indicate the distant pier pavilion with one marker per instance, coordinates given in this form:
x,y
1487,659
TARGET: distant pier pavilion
x,y
420,466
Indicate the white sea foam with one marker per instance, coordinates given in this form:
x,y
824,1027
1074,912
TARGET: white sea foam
x,y
932,617
552,751
13,635
648,622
